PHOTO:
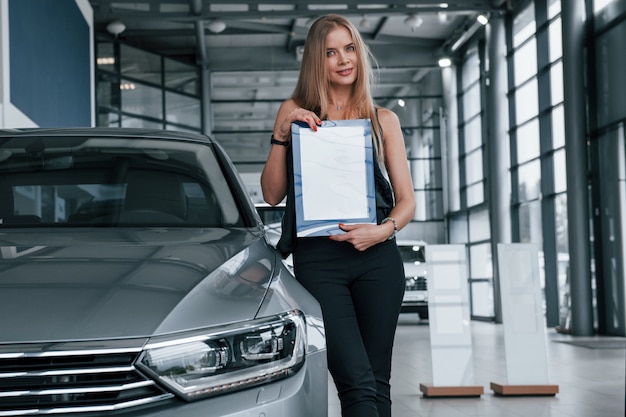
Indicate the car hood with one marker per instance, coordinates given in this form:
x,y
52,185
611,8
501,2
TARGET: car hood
x,y
106,283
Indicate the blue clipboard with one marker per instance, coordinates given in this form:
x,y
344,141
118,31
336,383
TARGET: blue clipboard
x,y
333,176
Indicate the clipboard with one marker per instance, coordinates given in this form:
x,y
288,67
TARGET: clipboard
x,y
333,176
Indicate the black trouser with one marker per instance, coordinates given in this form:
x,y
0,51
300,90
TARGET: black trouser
x,y
360,294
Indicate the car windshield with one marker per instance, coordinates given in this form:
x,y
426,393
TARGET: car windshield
x,y
412,253
113,181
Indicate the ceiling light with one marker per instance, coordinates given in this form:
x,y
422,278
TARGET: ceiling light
x,y
364,22
105,60
443,5
116,27
216,26
413,21
482,19
401,102
444,62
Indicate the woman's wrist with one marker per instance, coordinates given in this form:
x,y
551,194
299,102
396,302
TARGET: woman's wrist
x,y
393,222
278,141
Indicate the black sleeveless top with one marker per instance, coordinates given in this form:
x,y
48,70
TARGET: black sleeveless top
x,y
288,240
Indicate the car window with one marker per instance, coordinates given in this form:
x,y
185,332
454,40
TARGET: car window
x,y
113,182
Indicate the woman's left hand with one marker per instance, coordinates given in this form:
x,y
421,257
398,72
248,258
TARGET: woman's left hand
x,y
363,236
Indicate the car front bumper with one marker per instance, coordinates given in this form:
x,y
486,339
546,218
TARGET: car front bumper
x,y
303,394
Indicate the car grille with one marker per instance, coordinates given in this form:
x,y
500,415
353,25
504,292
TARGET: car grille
x,y
415,284
42,381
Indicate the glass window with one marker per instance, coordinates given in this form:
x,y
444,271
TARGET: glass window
x,y
128,121
560,213
554,8
611,82
428,107
106,56
525,61
471,102
558,127
182,109
480,261
524,25
528,141
108,118
141,65
473,134
181,77
250,115
526,101
482,299
182,129
429,205
556,83
471,69
475,194
141,99
530,227
555,36
246,154
472,177
479,228
529,187
108,94
426,173
458,229
473,167
601,7
560,174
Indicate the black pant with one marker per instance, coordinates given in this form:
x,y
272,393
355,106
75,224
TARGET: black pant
x,y
360,294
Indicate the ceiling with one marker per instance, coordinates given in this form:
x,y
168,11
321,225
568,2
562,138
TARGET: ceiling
x,y
253,62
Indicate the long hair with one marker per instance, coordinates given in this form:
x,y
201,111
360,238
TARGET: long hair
x,y
313,84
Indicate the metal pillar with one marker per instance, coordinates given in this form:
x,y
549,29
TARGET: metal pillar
x,y
498,155
206,106
573,16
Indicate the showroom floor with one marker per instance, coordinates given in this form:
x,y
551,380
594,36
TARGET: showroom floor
x,y
590,375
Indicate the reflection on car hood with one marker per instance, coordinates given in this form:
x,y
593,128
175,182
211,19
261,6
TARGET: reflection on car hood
x,y
115,283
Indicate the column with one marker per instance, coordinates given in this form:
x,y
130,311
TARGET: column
x,y
573,17
498,155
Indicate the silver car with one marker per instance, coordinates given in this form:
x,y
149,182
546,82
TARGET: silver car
x,y
136,280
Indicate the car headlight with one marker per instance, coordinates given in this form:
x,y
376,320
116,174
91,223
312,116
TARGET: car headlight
x,y
231,358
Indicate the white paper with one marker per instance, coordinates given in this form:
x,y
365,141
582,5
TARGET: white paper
x,y
334,173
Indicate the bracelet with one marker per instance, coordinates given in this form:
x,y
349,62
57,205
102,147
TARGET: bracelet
x,y
275,141
395,226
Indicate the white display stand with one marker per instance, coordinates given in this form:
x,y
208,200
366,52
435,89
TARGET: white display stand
x,y
523,322
449,323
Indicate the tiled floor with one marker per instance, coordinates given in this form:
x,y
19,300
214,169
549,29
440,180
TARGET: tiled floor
x,y
591,381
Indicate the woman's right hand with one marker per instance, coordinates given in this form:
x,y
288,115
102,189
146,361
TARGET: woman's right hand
x,y
274,175
282,131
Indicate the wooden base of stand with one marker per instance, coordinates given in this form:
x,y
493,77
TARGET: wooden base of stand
x,y
524,389
460,391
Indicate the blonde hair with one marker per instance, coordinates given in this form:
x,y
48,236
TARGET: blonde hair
x,y
313,84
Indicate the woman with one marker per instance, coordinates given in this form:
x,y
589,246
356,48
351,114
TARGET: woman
x,y
357,276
